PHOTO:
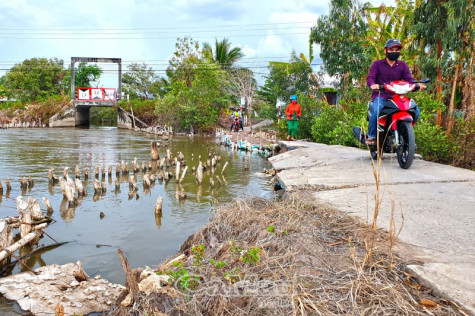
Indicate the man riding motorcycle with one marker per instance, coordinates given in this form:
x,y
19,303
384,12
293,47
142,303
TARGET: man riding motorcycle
x,y
383,72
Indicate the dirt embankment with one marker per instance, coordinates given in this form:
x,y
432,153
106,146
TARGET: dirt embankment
x,y
281,257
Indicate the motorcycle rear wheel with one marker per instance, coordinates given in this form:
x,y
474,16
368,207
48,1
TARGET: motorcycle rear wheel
x,y
407,141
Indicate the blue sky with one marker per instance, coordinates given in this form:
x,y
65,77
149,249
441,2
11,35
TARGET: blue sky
x,y
146,30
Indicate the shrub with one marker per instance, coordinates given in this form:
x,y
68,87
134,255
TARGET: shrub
x,y
463,144
431,141
310,108
428,104
143,109
335,126
268,111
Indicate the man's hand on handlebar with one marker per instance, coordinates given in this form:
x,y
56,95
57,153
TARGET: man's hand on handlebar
x,y
374,86
422,86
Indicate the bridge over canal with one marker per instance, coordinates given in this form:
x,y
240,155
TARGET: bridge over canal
x,y
84,98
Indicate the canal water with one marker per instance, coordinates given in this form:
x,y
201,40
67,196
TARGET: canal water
x,y
129,222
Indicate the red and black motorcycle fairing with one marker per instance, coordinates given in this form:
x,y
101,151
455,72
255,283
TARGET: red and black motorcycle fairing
x,y
399,108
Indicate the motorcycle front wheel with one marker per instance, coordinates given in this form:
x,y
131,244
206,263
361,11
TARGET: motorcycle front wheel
x,y
407,144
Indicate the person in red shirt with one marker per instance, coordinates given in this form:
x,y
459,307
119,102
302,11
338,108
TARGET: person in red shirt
x,y
293,113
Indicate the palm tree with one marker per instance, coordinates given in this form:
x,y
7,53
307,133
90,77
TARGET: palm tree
x,y
223,55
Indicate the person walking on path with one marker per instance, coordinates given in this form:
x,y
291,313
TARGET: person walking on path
x,y
293,113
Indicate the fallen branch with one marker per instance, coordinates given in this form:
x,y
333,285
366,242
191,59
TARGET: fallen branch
x,y
7,251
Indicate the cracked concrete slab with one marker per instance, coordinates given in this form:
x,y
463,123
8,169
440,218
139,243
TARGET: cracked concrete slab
x,y
437,201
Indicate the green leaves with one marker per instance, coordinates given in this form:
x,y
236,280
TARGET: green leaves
x,y
140,82
35,78
341,36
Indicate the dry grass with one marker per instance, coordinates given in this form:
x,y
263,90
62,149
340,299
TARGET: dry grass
x,y
315,262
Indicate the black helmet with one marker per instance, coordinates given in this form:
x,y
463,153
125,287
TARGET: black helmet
x,y
393,42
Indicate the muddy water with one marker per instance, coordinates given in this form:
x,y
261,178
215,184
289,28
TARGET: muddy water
x,y
129,223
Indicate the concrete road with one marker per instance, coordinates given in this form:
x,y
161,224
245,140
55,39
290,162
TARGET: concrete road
x,y
437,202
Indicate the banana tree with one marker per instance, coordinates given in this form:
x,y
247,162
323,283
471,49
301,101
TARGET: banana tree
x,y
391,22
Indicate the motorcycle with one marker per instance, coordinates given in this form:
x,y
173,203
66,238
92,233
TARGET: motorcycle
x,y
236,124
395,123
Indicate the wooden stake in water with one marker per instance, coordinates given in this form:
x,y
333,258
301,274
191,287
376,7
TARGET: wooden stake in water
x,y
158,206
154,151
8,185
47,203
23,183
199,173
177,170
183,174
224,167
79,187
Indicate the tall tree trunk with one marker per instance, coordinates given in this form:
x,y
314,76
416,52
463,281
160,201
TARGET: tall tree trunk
x,y
468,102
450,121
439,81
439,75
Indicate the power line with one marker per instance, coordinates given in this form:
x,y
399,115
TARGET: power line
x,y
152,28
142,38
153,32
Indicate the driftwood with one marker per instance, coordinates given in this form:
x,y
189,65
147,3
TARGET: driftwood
x,y
80,275
7,251
6,236
211,182
86,173
109,171
76,171
1,187
219,180
103,171
180,156
117,168
130,280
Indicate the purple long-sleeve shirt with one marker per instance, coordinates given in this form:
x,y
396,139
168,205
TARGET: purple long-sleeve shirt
x,y
381,72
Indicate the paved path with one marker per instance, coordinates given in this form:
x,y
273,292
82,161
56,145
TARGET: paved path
x,y
437,201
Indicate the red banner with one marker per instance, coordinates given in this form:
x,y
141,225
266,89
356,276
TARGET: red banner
x,y
96,94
